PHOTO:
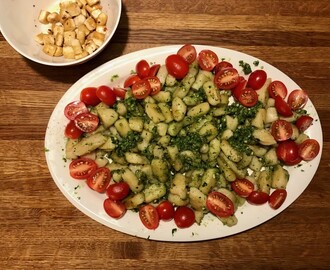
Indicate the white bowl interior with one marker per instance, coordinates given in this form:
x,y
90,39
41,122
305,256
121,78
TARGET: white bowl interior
x,y
19,24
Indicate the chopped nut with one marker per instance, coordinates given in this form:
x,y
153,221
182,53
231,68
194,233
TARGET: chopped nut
x,y
92,2
90,23
102,19
49,49
43,16
78,29
68,52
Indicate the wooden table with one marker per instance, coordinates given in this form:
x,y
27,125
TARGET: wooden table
x,y
41,229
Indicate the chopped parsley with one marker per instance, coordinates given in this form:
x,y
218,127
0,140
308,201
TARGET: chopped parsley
x,y
242,138
246,67
127,143
114,77
191,141
241,112
256,63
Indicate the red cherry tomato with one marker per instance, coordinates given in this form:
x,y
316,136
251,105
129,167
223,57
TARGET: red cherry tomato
x,y
257,79
222,65
142,68
309,149
188,52
277,88
99,179
74,108
281,130
297,99
219,204
226,78
207,59
184,217
131,80
89,97
141,89
155,85
248,97
257,197
176,66
154,70
120,92
87,122
282,107
82,168
287,152
165,210
236,91
304,122
118,191
71,131
242,187
115,209
149,216
277,198
106,95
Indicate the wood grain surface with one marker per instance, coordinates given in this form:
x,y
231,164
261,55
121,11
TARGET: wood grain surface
x,y
41,229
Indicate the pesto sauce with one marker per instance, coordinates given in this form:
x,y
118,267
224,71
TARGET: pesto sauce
x,y
191,141
242,138
127,143
243,113
133,107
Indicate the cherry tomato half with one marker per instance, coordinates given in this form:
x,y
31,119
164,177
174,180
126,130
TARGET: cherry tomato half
x,y
281,130
176,66
221,65
115,209
82,168
309,149
141,89
131,80
248,97
120,92
282,107
155,85
188,52
106,95
277,88
74,108
118,191
304,122
219,204
257,79
71,131
257,197
165,210
226,78
287,152
184,217
142,68
207,59
89,97
149,216
153,70
277,198
242,187
297,99
236,91
87,122
99,179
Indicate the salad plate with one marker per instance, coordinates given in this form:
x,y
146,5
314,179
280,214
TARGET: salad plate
x,y
114,73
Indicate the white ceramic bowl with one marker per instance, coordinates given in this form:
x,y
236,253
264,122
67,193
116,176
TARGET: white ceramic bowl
x,y
19,24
